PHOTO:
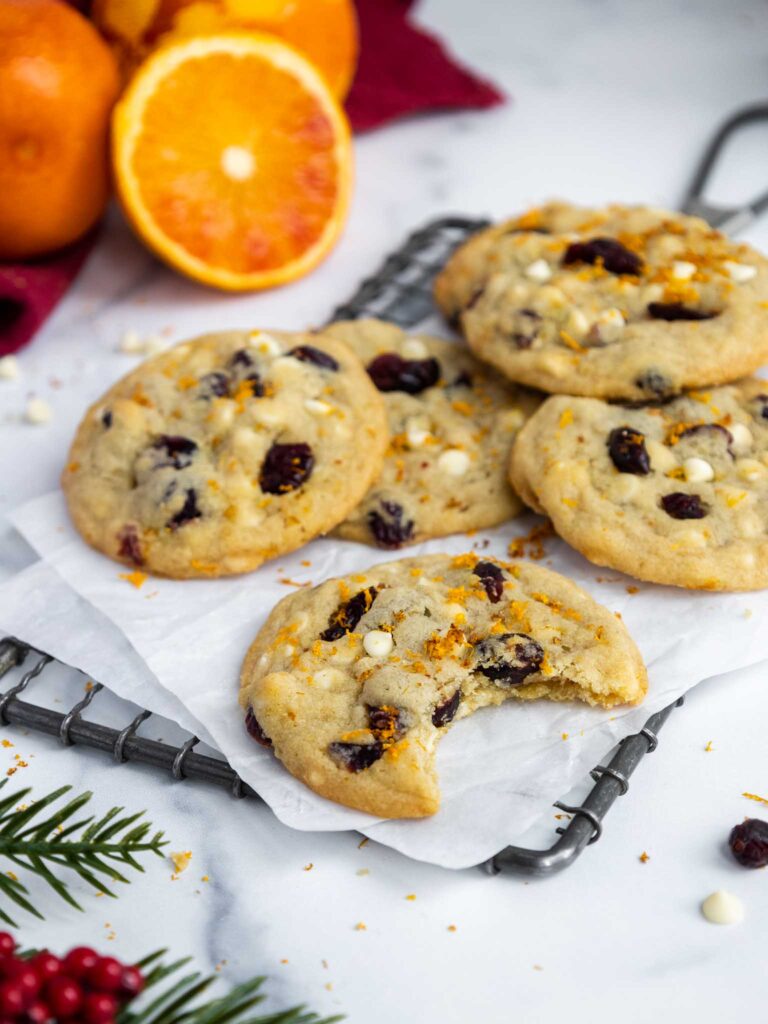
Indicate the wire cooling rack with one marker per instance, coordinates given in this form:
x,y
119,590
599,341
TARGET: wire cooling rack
x,y
400,291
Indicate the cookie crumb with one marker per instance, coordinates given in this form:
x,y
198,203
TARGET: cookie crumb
x,y
451,928
360,927
644,857
411,896
631,589
308,867
284,961
708,748
563,735
362,843
180,862
363,871
538,967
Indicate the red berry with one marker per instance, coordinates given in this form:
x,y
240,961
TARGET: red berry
x,y
99,1008
38,1013
7,944
106,975
132,982
80,960
46,965
23,974
64,997
13,998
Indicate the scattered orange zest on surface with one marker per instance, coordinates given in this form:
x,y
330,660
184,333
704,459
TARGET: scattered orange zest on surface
x,y
754,796
137,578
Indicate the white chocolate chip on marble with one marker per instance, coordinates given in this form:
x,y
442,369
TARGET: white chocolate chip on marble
x,y
37,411
317,407
723,907
683,270
9,368
454,462
608,326
661,457
698,471
742,438
739,272
538,271
413,348
750,469
378,643
131,343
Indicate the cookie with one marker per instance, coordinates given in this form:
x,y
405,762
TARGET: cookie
x,y
354,682
672,493
226,451
622,302
452,424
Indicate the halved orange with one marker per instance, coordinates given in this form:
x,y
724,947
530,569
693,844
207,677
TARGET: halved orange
x,y
233,160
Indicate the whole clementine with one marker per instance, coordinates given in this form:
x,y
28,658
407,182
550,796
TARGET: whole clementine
x,y
58,82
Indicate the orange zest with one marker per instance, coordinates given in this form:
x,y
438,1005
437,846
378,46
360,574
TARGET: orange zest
x,y
233,160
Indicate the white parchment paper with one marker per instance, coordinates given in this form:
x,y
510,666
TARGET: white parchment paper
x,y
176,648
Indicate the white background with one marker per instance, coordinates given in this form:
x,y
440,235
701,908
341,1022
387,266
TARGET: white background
x,y
610,101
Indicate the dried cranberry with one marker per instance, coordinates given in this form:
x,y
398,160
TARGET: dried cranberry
x,y
387,722
626,447
347,615
130,546
241,360
187,512
214,385
474,298
254,729
256,383
762,406
390,372
446,712
507,659
677,311
174,451
684,506
492,579
106,419
355,756
315,356
614,256
286,467
526,327
389,526
464,380
713,429
749,843
654,382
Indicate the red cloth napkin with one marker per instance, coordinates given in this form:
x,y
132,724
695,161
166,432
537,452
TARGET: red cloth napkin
x,y
402,70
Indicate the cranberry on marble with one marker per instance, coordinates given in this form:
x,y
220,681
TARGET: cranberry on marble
x,y
749,843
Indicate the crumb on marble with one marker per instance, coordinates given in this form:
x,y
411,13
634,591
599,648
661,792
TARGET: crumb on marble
x,y
754,796
644,857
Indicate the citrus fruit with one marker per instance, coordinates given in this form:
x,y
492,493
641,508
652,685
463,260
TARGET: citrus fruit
x,y
324,30
58,81
233,160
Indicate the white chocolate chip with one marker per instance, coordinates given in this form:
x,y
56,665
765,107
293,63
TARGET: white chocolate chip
x,y
750,469
723,907
578,324
416,431
378,643
414,349
624,486
37,411
326,678
9,368
318,407
683,270
661,457
691,539
454,462
153,344
266,344
698,471
552,297
739,272
131,343
538,271
607,327
742,438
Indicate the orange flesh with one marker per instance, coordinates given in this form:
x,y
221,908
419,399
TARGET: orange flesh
x,y
246,226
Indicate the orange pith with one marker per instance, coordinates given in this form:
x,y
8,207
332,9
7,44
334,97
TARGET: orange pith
x,y
233,160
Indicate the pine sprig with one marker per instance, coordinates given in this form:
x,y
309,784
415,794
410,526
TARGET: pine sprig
x,y
94,849
178,1003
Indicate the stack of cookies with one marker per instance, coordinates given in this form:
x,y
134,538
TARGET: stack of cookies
x,y
650,455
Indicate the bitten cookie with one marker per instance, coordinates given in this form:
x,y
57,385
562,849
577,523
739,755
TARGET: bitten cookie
x,y
354,682
621,302
452,424
675,493
226,451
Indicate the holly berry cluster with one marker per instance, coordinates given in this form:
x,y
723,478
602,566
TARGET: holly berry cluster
x,y
79,988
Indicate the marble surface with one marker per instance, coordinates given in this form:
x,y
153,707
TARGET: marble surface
x,y
611,101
